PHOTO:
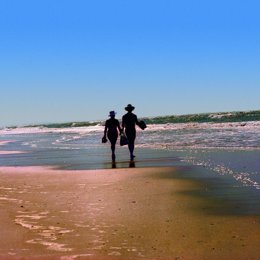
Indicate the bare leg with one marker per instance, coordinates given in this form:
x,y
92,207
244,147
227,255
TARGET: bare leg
x,y
131,147
131,142
113,148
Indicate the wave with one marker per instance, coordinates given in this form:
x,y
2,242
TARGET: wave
x,y
223,117
250,119
36,129
250,126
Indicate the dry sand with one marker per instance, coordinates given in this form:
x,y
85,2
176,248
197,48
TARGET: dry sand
x,y
144,213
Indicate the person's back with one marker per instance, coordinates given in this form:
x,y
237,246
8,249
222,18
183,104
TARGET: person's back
x,y
112,125
129,121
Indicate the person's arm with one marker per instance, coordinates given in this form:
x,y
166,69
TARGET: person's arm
x,y
119,127
123,124
136,120
105,131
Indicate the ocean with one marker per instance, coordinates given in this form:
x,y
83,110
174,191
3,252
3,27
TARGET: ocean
x,y
230,149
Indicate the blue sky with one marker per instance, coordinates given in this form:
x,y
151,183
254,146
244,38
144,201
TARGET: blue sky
x,y
77,60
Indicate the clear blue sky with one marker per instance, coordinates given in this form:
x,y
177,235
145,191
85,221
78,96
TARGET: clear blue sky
x,y
76,60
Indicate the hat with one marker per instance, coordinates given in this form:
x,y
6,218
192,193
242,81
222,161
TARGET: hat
x,y
129,107
112,113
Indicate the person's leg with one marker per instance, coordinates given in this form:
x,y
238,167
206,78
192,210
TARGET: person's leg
x,y
113,148
131,147
113,140
131,143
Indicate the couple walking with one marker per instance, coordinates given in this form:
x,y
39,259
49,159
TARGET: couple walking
x,y
112,127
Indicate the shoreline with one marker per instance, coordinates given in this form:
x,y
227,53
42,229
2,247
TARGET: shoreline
x,y
130,213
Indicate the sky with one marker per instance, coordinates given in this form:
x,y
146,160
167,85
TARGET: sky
x,y
76,60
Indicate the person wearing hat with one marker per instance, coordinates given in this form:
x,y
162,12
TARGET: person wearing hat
x,y
129,121
111,131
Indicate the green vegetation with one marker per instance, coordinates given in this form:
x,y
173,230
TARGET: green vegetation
x,y
192,118
66,125
206,117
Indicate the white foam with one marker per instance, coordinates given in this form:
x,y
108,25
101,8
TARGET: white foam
x,y
34,130
254,125
3,152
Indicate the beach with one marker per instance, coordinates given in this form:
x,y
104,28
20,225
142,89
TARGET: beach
x,y
127,213
129,130
191,193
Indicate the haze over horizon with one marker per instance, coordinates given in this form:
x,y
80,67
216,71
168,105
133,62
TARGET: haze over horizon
x,y
65,61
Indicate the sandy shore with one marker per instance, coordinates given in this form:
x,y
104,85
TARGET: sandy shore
x,y
145,213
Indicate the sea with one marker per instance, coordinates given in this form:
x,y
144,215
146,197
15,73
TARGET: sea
x,y
222,156
229,149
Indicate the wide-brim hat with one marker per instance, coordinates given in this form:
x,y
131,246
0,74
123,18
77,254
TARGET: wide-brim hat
x,y
112,113
129,107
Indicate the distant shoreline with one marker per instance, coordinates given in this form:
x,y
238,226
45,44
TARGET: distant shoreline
x,y
216,117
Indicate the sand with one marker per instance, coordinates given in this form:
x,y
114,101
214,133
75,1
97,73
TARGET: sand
x,y
132,213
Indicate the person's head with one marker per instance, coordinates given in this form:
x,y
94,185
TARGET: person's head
x,y
112,114
129,108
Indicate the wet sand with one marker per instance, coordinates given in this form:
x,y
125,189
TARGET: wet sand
x,y
134,213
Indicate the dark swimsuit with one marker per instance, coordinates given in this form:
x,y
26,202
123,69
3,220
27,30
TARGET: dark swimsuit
x,y
112,125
